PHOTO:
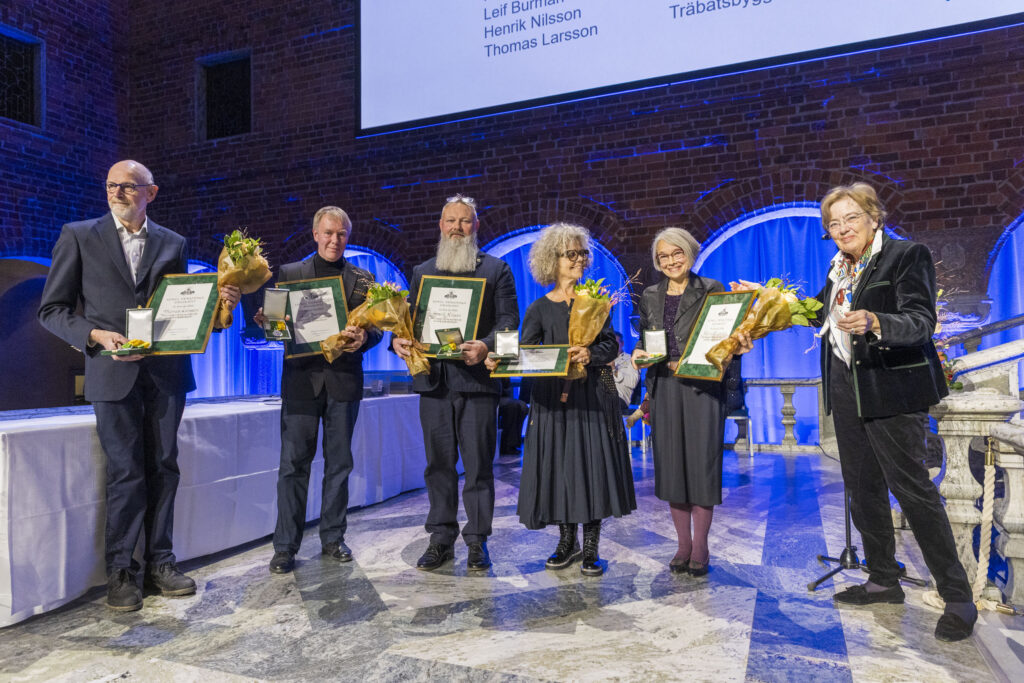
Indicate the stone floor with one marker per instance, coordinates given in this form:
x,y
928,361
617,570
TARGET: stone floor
x,y
378,618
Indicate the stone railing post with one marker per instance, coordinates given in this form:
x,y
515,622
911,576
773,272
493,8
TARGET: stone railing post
x,y
962,417
1008,446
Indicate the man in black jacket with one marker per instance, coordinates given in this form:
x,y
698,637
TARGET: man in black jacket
x,y
458,398
313,390
880,374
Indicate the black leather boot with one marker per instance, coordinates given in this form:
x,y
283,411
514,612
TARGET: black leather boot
x,y
568,549
592,564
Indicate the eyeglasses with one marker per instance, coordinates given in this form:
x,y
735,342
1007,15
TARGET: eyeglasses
x,y
462,199
677,255
129,188
847,220
576,254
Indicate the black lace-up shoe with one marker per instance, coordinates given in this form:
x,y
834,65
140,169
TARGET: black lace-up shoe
x,y
282,562
167,579
337,551
435,555
123,592
568,549
479,559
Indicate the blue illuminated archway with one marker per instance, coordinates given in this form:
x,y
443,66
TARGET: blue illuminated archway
x,y
514,248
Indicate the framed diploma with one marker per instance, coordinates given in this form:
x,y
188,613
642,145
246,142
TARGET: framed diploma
x,y
275,309
721,314
317,309
536,361
182,317
656,344
444,303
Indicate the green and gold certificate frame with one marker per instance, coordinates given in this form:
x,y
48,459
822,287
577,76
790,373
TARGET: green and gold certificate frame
x,y
183,313
317,309
536,361
446,302
721,314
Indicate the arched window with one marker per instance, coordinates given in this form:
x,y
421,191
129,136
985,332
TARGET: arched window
x,y
514,248
780,241
1006,286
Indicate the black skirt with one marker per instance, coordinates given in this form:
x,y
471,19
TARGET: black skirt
x,y
687,431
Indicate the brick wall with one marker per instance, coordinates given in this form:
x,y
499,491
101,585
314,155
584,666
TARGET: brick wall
x,y
936,127
51,174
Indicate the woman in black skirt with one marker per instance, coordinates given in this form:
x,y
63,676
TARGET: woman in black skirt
x,y
687,415
576,466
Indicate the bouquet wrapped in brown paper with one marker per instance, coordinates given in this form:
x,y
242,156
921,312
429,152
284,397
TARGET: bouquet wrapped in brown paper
x,y
242,265
385,308
589,311
778,307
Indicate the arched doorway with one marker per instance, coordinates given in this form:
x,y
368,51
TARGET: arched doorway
x,y
1006,286
779,241
514,248
38,369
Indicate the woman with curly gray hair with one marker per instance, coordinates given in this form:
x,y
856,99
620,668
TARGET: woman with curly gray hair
x,y
576,467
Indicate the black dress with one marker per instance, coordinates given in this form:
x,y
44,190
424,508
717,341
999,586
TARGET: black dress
x,y
576,465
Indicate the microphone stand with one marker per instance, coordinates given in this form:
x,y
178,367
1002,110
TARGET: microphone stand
x,y
848,558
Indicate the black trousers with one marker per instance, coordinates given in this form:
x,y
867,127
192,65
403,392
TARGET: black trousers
x,y
885,454
511,415
300,423
454,423
139,435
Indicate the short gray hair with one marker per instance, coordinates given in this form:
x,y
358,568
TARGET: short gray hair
x,y
335,211
677,237
459,198
553,241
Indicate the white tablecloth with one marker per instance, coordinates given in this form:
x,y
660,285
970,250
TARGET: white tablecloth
x,y
52,489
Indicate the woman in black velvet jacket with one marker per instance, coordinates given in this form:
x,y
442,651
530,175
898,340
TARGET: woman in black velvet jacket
x,y
880,374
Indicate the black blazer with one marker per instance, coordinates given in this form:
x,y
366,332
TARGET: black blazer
x,y
302,379
652,316
498,311
90,285
899,372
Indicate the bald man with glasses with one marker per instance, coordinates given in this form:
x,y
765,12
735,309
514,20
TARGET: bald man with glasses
x,y
100,268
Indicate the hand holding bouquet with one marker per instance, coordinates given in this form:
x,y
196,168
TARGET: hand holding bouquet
x,y
385,308
241,264
778,307
589,311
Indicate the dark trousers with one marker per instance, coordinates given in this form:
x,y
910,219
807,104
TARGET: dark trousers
x,y
300,423
885,454
455,423
139,435
511,415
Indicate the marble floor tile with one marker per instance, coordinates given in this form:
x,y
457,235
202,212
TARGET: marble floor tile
x,y
378,618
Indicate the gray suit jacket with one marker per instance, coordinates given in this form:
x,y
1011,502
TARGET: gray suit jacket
x,y
90,285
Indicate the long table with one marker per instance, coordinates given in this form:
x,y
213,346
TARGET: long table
x,y
52,488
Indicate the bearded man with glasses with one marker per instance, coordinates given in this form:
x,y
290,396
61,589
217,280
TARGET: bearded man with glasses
x,y
459,398
107,265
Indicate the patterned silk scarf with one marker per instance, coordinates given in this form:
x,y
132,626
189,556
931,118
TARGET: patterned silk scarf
x,y
846,274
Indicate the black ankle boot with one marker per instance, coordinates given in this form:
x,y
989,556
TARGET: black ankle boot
x,y
568,549
592,564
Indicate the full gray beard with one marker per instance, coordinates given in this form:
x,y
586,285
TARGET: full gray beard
x,y
457,255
